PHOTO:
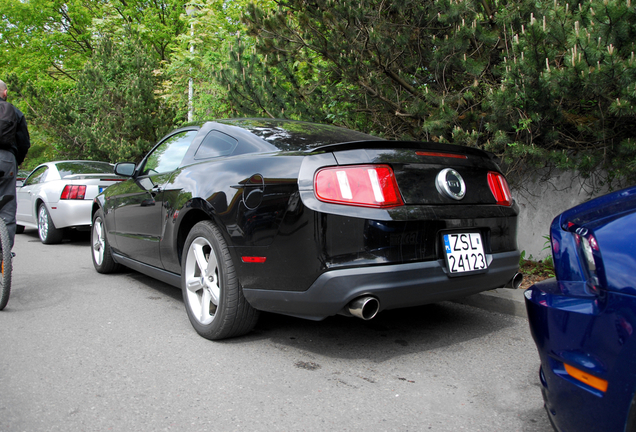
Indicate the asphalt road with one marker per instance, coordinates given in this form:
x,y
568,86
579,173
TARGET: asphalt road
x,y
80,351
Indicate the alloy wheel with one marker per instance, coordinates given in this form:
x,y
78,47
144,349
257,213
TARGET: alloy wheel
x,y
43,223
202,280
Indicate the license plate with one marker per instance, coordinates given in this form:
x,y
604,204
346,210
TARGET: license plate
x,y
101,189
464,252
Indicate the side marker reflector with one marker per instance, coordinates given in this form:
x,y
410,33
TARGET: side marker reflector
x,y
584,377
253,259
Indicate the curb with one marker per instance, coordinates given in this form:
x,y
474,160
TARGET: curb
x,y
502,300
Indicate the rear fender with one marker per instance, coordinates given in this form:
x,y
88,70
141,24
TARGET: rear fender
x,y
194,211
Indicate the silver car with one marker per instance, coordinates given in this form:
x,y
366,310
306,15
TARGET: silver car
x,y
59,195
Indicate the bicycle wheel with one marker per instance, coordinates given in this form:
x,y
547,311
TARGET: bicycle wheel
x,y
6,265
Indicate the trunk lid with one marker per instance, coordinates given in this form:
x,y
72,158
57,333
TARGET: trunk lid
x,y
417,167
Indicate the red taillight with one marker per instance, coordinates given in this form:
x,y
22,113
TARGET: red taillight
x,y
361,185
73,192
499,188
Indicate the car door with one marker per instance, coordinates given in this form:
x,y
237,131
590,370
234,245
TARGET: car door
x,y
27,193
138,206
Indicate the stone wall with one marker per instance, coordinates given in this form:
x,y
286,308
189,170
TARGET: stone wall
x,y
540,200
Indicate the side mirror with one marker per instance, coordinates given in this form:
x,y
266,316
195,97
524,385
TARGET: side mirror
x,y
125,169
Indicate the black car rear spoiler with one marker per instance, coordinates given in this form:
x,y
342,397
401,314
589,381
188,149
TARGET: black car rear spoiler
x,y
415,145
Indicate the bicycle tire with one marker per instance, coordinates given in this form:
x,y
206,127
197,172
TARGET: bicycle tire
x,y
6,266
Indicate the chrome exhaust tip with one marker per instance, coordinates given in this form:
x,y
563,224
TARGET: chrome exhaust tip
x,y
364,307
515,282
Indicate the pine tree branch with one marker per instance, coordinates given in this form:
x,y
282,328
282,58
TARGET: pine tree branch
x,y
62,72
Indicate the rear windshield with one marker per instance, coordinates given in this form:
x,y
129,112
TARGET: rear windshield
x,y
83,167
297,136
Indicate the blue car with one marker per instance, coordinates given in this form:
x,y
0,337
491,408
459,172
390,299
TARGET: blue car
x,y
583,321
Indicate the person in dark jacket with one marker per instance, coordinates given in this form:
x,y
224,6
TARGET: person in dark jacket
x,y
12,154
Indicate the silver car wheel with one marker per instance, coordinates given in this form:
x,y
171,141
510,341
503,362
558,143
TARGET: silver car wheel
x,y
47,231
202,282
43,223
99,244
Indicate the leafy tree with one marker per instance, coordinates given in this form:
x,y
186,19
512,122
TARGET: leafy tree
x,y
112,113
47,45
41,151
258,85
538,82
45,42
568,89
464,71
404,69
200,53
158,24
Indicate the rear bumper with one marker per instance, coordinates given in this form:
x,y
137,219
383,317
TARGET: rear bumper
x,y
71,213
395,286
594,335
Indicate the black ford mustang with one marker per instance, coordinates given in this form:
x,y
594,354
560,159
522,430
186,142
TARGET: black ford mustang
x,y
308,220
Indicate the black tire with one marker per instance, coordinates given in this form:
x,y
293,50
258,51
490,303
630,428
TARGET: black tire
x,y
46,229
19,229
100,249
227,315
6,265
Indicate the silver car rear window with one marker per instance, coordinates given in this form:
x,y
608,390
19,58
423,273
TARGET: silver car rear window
x,y
83,167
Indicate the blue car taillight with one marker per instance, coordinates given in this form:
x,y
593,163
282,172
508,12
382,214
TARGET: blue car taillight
x,y
587,247
576,255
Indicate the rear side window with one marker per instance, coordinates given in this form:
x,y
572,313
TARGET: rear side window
x,y
215,144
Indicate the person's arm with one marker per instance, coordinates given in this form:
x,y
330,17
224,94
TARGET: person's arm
x,y
22,138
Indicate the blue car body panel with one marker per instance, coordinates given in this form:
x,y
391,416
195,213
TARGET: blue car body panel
x,y
586,316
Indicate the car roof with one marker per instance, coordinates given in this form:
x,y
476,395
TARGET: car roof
x,y
286,135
